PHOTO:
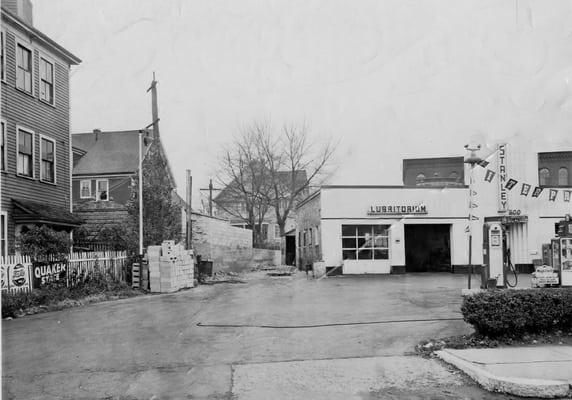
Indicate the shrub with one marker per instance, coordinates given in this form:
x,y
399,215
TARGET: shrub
x,y
42,242
517,312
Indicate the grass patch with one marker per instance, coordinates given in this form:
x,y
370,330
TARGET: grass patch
x,y
57,296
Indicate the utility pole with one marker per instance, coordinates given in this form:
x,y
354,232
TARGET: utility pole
x,y
210,190
211,197
189,210
154,107
143,140
471,159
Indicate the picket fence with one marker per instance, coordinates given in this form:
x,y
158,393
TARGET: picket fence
x,y
19,273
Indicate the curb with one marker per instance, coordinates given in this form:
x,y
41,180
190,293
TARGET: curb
x,y
524,387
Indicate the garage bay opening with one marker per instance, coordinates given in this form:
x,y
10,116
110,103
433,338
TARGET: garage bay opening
x,y
428,248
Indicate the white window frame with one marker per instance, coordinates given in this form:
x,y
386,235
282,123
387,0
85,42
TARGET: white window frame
x,y
81,182
3,44
18,129
97,191
49,139
4,233
3,130
31,50
262,229
53,64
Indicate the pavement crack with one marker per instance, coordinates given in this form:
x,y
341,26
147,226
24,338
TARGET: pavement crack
x,y
395,321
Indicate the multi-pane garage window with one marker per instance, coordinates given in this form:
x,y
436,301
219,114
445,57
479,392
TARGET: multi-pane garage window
x,y
25,153
47,152
46,81
365,242
24,68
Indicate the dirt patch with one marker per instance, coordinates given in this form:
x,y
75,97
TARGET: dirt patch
x,y
475,341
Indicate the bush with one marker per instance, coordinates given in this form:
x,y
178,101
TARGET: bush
x,y
518,312
42,242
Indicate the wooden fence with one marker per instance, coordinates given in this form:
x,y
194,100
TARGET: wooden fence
x,y
20,273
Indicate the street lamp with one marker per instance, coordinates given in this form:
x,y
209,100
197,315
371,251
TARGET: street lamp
x,y
472,159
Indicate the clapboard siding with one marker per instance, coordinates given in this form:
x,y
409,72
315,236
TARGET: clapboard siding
x,y
51,121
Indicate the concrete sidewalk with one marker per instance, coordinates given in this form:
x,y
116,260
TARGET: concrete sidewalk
x,y
543,371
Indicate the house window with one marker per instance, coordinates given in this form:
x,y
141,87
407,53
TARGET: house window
x,y
276,231
3,58
102,189
544,176
563,176
3,146
85,189
24,68
46,81
25,153
4,234
264,232
365,242
48,157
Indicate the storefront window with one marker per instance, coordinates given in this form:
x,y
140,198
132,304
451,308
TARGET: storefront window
x,y
365,242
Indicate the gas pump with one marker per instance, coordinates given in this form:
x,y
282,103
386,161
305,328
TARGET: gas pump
x,y
562,251
494,253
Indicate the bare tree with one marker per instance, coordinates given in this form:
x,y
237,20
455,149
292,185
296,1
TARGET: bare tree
x,y
244,177
263,172
295,166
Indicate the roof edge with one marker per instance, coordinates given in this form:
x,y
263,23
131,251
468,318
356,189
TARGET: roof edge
x,y
66,54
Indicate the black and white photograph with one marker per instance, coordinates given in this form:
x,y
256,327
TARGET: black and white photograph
x,y
286,199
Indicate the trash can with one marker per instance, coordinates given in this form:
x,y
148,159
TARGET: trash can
x,y
206,268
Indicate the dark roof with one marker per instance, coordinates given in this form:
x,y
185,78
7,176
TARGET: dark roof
x,y
300,180
107,152
41,37
27,211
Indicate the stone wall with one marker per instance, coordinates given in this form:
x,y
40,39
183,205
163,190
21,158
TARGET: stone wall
x,y
228,247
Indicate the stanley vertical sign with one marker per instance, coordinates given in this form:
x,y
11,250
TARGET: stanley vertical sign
x,y
502,171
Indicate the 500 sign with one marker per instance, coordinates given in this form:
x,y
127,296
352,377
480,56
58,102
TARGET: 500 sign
x,y
46,273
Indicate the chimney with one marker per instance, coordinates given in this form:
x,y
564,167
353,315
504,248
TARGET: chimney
x,y
97,132
20,8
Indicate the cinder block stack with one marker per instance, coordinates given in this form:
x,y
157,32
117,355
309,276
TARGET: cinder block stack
x,y
171,267
154,257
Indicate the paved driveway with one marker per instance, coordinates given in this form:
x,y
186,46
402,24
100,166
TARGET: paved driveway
x,y
212,340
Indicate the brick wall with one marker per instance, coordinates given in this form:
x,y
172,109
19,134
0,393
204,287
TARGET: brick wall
x,y
228,247
308,225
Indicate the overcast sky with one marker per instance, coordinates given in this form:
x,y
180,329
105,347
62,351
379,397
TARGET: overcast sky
x,y
388,79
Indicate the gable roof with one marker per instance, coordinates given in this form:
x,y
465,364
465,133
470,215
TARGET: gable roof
x,y
107,152
227,194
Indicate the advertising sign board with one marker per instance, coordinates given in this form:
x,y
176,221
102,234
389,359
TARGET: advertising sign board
x,y
44,273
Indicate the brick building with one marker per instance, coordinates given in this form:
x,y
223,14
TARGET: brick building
x,y
35,127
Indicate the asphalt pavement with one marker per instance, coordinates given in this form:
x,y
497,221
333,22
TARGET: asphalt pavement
x,y
286,336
